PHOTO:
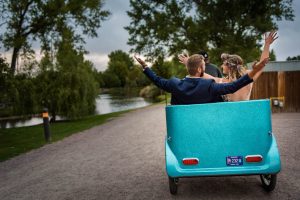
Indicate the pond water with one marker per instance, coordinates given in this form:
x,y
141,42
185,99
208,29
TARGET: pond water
x,y
113,101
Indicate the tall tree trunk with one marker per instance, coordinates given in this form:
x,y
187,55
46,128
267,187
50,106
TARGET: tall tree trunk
x,y
14,59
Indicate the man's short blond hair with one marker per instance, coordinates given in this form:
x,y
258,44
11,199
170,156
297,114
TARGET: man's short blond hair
x,y
194,62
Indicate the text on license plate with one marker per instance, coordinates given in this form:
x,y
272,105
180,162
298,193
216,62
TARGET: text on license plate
x,y
234,160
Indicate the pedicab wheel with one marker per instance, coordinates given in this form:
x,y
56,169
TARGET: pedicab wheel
x,y
173,185
268,181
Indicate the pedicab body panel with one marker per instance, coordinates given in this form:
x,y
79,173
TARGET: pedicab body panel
x,y
212,133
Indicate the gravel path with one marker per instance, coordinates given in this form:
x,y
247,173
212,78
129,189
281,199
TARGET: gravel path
x,y
124,159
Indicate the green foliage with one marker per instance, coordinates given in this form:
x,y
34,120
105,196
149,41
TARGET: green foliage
x,y
162,69
100,79
68,88
272,55
24,98
293,58
121,72
78,93
46,21
165,28
136,78
119,64
150,91
111,80
17,96
5,83
48,90
167,69
4,74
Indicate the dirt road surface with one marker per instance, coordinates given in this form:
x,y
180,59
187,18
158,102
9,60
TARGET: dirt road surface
x,y
124,159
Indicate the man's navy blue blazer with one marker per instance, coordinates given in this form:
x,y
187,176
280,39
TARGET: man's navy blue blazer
x,y
196,90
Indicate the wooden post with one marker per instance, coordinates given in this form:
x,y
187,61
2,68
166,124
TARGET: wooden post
x,y
281,86
47,132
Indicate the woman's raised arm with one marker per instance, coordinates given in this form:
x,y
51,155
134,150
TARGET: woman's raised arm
x,y
269,39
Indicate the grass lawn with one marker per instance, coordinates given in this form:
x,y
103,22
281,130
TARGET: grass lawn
x,y
14,141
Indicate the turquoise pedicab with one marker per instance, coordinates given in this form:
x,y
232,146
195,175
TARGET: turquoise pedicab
x,y
221,139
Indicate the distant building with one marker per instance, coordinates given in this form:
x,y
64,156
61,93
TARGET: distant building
x,y
281,83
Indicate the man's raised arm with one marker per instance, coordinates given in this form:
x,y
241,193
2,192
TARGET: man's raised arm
x,y
158,81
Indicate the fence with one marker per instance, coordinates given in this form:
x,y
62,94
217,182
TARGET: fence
x,y
280,79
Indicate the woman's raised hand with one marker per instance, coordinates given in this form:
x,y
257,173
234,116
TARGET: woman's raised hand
x,y
257,66
271,37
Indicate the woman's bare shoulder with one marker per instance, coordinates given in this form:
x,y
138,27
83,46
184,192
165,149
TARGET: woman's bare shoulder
x,y
207,76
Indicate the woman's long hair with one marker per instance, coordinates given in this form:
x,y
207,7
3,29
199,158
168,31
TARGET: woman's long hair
x,y
235,64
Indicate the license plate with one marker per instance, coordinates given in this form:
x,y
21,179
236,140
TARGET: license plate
x,y
234,160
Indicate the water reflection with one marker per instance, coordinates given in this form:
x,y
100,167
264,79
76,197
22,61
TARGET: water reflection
x,y
20,122
113,101
107,103
30,121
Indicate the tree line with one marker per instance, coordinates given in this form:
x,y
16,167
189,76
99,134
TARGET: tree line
x,y
67,87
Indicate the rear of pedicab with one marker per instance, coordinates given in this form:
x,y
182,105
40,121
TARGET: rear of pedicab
x,y
221,139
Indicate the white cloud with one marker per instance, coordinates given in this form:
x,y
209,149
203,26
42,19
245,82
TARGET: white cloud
x,y
100,60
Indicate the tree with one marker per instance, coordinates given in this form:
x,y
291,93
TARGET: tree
x,y
293,58
272,55
136,78
120,63
5,78
67,87
166,27
162,68
30,20
17,93
4,73
111,80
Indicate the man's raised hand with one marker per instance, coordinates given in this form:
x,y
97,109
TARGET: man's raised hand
x,y
183,58
142,63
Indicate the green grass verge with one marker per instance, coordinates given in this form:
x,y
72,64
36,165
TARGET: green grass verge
x,y
14,141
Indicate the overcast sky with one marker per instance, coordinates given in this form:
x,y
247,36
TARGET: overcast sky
x,y
113,36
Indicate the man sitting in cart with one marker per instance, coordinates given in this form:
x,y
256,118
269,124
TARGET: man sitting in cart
x,y
194,89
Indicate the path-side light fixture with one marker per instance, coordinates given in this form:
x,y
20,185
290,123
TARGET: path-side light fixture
x,y
47,132
281,104
275,102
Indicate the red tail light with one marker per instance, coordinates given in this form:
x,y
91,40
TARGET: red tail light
x,y
254,158
190,161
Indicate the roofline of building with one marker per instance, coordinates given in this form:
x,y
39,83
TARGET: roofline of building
x,y
279,66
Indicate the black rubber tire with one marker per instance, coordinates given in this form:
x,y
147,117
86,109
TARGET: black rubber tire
x,y
173,185
268,181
